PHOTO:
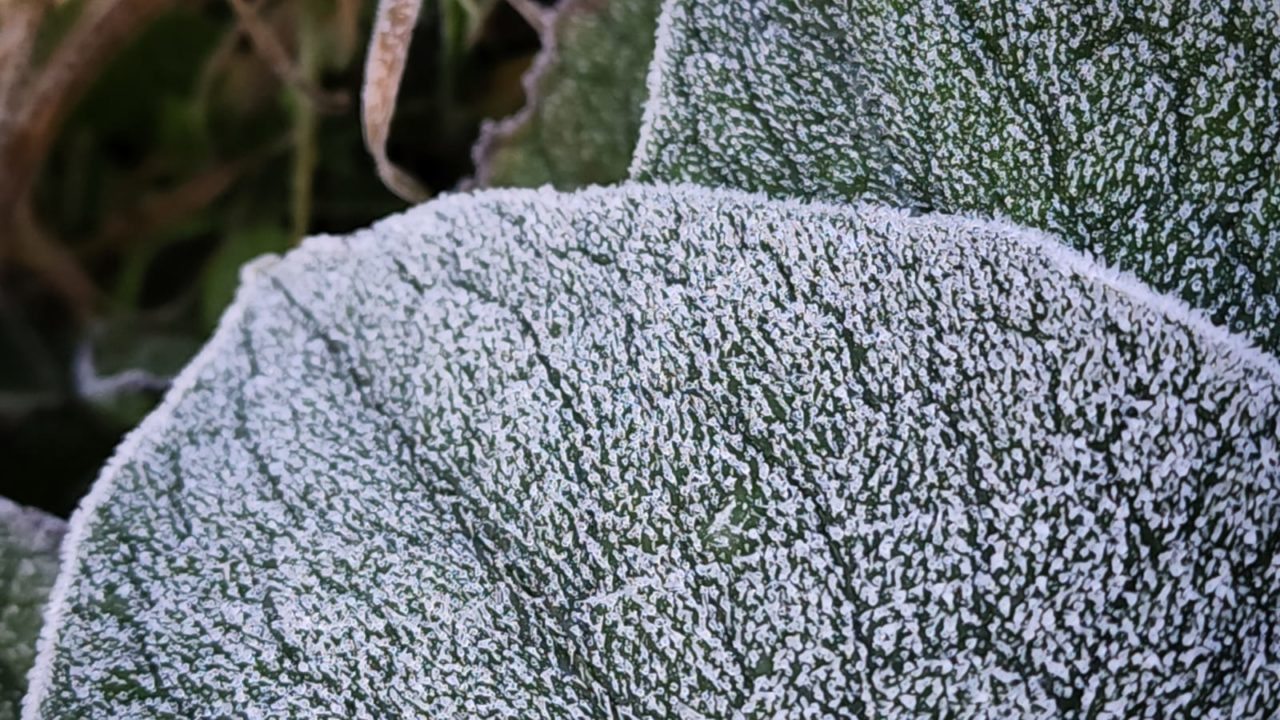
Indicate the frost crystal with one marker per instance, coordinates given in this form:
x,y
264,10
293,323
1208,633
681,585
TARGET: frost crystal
x,y
585,95
659,452
1145,133
29,541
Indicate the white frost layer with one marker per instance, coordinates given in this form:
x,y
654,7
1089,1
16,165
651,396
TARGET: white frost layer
x,y
81,521
1144,134
655,105
663,450
29,528
29,542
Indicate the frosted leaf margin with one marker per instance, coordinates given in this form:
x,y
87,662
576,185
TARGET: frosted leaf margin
x,y
225,340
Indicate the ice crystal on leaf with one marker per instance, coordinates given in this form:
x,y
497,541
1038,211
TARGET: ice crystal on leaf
x,y
1144,133
29,541
667,451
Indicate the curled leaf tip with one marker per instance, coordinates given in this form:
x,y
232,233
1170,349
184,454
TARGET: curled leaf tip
x,y
388,52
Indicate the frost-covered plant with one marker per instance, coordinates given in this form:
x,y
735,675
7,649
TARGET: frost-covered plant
x,y
679,450
587,93
1144,133
28,564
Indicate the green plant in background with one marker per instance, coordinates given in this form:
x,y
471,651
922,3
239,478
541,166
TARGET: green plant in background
x,y
181,139
673,448
177,141
586,95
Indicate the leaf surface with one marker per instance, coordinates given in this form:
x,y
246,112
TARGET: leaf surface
x,y
653,451
585,94
1145,134
29,542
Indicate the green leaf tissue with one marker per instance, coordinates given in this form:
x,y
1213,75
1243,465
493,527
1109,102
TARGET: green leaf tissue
x,y
924,367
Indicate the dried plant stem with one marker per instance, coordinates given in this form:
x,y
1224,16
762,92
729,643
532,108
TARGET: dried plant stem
x,y
19,22
38,251
158,210
347,21
102,28
304,121
533,13
273,52
39,101
388,51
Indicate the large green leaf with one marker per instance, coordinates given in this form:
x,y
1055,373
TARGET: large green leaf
x,y
585,102
1147,134
29,541
659,452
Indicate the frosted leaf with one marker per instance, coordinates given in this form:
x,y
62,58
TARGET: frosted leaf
x,y
670,452
29,541
585,93
1145,133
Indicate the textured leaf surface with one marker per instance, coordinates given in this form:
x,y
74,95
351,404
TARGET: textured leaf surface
x,y
652,452
29,541
1144,133
586,98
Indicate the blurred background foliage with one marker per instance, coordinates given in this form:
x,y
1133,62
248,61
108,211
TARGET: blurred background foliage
x,y
165,142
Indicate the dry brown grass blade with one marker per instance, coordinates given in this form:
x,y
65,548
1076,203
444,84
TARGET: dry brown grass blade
x,y
42,254
40,100
103,27
272,51
306,153
19,22
388,52
347,20
159,210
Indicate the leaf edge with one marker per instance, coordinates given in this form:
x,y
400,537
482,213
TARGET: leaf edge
x,y
1058,256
